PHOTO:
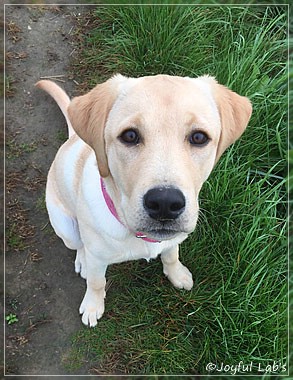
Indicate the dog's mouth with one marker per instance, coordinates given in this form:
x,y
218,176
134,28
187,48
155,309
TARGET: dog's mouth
x,y
164,230
160,234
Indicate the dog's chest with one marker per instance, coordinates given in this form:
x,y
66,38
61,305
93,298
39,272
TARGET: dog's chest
x,y
135,249
148,251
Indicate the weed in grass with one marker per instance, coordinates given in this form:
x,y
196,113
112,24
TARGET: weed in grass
x,y
11,319
237,310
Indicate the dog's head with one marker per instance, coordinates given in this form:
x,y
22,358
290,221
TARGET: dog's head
x,y
156,140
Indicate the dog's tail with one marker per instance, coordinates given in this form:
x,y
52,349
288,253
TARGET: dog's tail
x,y
61,98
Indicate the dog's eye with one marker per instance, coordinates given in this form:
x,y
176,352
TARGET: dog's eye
x,y
198,138
130,137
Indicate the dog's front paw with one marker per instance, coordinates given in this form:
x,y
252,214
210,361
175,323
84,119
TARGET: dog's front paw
x,y
179,275
92,308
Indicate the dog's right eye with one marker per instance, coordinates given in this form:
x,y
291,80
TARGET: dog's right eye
x,y
130,137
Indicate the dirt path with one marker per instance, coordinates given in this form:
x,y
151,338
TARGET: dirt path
x,y
42,290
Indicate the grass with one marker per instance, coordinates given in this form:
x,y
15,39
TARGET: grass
x,y
14,240
16,150
237,310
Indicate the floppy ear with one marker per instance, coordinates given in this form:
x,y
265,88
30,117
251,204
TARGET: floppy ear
x,y
235,112
88,115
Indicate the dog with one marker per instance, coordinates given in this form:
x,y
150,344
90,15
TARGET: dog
x,y
125,185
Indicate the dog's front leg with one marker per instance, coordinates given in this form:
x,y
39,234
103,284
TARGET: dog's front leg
x,y
177,273
92,306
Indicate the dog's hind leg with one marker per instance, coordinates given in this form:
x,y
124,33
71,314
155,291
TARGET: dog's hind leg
x,y
80,262
64,225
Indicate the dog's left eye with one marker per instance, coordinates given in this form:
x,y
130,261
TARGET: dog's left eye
x,y
130,137
198,138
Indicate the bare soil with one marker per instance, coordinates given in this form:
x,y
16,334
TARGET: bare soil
x,y
41,287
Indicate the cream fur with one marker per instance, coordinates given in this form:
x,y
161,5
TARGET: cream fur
x,y
165,110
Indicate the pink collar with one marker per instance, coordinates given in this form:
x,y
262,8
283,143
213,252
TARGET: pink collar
x,y
113,211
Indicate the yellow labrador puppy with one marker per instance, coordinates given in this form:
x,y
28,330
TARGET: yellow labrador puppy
x,y
125,185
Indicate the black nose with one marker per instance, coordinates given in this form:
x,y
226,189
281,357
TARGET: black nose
x,y
164,203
